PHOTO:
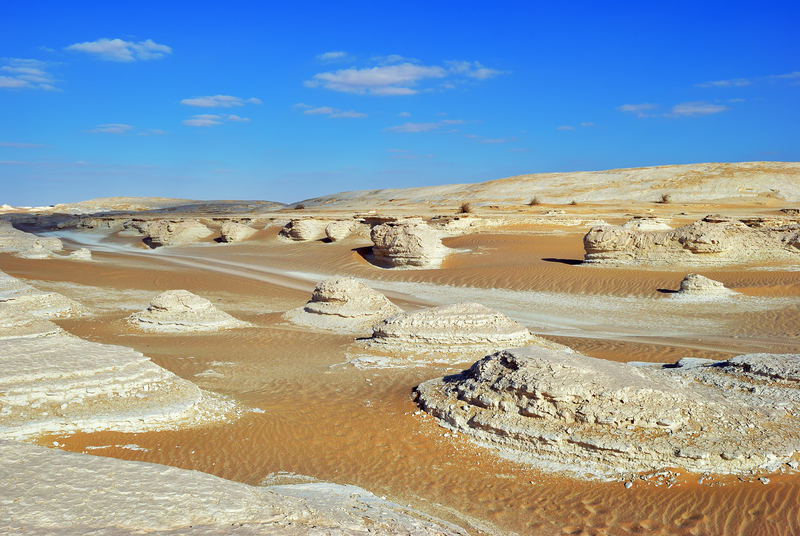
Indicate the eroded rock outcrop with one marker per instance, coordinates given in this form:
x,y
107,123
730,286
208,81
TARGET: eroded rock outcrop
x,y
713,239
339,230
16,322
49,491
304,230
646,223
696,285
173,232
81,254
182,311
344,305
457,332
27,245
34,301
232,231
406,244
569,411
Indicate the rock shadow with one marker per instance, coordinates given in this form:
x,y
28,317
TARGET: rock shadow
x,y
571,262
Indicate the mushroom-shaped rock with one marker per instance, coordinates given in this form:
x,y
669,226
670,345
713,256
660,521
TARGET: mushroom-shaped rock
x,y
232,231
406,244
462,330
174,232
180,310
344,305
569,411
698,285
304,230
339,230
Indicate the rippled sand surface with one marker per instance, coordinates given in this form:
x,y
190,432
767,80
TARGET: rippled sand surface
x,y
317,416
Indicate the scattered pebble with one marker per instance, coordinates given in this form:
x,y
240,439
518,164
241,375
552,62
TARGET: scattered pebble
x,y
628,485
764,480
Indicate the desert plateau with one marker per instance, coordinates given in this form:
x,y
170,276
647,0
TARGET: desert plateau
x,y
614,352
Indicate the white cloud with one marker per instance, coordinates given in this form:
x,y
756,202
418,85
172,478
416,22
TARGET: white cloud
x,y
20,145
119,50
112,128
203,120
25,73
301,105
565,127
322,110
218,101
238,119
349,113
473,69
414,127
639,109
697,108
404,114
734,82
735,100
384,81
587,124
332,56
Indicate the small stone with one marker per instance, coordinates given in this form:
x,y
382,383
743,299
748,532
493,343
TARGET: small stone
x,y
764,480
628,485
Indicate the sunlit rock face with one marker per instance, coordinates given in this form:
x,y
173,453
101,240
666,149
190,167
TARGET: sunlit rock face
x,y
173,232
182,311
569,411
406,244
304,230
27,245
232,231
696,285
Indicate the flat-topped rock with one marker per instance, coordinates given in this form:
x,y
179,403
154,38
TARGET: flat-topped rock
x,y
698,285
572,412
34,301
160,233
232,231
406,244
182,311
49,491
713,240
56,384
646,223
459,331
304,230
344,305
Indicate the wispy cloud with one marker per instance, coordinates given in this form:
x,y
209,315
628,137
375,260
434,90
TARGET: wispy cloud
x,y
697,108
26,74
452,121
333,113
639,109
734,82
331,57
112,128
587,124
153,132
203,120
300,106
218,101
20,145
793,75
396,75
238,119
497,140
348,114
404,114
119,50
565,127
322,110
414,127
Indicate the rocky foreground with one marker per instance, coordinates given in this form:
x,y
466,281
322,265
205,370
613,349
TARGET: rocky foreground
x,y
568,411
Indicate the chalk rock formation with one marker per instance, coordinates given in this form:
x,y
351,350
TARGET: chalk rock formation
x,y
58,384
27,298
646,223
82,254
180,310
698,285
569,411
27,245
49,491
232,231
304,230
406,244
714,239
458,225
16,322
339,230
173,232
462,331
344,305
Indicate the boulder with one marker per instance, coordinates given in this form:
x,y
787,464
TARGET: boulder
x,y
406,244
304,230
568,411
182,311
713,240
339,230
173,232
698,285
82,254
232,231
344,305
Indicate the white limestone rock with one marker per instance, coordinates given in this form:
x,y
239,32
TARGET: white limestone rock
x,y
696,285
173,232
182,311
339,230
406,244
232,231
27,245
304,230
49,491
646,223
82,254
568,411
344,305
27,298
15,322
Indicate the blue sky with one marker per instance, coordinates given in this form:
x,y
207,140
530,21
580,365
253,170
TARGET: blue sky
x,y
286,101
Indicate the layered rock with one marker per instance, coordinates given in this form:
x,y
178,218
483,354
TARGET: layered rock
x,y
16,322
569,411
27,245
304,230
406,244
49,491
173,232
27,298
339,230
232,231
696,285
344,305
714,239
461,331
182,311
646,223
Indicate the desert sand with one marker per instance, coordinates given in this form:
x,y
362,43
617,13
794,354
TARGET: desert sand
x,y
305,414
